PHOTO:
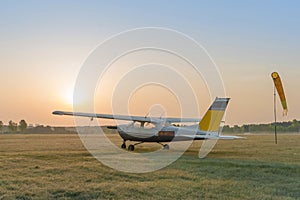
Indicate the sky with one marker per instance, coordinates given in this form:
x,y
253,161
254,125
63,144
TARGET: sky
x,y
43,45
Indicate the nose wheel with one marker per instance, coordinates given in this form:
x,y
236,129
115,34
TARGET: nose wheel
x,y
123,146
130,147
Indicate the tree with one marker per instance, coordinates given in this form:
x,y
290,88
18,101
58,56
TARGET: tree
x,y
22,125
1,126
12,126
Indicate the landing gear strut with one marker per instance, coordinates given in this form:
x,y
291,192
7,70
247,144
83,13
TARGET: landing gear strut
x,y
165,146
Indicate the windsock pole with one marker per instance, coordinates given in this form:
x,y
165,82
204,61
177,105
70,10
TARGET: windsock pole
x,y
275,119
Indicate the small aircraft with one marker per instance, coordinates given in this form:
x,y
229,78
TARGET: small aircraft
x,y
161,130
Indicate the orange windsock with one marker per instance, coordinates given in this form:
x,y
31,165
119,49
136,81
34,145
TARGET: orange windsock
x,y
280,91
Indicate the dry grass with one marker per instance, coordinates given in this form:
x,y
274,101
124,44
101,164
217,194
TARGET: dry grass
x,y
58,167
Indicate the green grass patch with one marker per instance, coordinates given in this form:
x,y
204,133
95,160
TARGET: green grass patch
x,y
61,168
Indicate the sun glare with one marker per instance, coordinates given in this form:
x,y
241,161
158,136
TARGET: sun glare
x,y
68,97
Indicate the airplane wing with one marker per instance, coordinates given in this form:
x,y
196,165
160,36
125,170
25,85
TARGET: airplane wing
x,y
106,116
128,118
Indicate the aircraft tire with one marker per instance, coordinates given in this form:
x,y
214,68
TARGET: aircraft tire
x,y
166,147
131,147
123,146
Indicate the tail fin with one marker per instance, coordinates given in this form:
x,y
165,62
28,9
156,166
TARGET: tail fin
x,y
213,117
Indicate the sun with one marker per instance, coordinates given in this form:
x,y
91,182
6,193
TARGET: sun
x,y
68,96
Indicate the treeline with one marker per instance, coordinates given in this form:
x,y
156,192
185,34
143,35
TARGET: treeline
x,y
13,126
283,127
22,128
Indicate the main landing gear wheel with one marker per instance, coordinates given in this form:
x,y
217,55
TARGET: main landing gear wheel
x,y
123,146
166,147
131,147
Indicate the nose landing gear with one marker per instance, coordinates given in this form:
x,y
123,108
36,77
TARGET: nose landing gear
x,y
123,146
130,147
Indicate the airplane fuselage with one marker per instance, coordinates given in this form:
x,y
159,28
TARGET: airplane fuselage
x,y
156,134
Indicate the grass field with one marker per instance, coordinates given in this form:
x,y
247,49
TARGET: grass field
x,y
58,167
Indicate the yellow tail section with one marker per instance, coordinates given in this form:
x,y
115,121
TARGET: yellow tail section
x,y
213,117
